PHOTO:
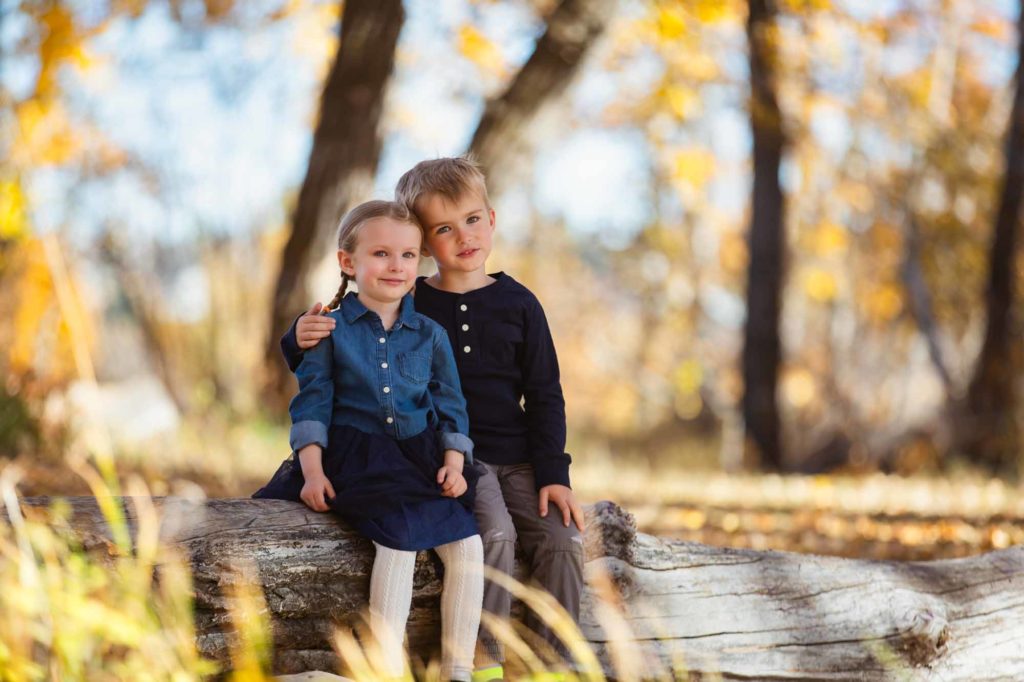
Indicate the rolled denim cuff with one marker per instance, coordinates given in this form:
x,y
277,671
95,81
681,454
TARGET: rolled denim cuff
x,y
460,442
307,432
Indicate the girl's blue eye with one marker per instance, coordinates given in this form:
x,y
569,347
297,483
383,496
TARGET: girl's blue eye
x,y
380,253
409,254
442,229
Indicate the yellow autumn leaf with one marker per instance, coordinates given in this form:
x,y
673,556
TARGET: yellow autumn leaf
x,y
82,57
693,167
883,303
688,376
799,387
993,27
61,38
829,239
671,22
45,134
807,5
700,67
479,49
820,285
683,101
714,11
35,297
732,253
13,214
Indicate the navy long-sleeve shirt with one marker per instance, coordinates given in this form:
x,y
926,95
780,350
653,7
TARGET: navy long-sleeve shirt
x,y
508,369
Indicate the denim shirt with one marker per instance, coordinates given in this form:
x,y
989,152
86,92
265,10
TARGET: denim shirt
x,y
395,383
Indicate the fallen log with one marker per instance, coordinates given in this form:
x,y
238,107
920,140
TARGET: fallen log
x,y
650,605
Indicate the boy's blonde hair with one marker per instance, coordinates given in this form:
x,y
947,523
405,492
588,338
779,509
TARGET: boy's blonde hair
x,y
451,177
348,231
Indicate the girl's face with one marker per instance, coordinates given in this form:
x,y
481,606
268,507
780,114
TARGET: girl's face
x,y
384,260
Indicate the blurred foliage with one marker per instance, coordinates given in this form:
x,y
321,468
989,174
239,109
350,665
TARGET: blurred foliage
x,y
67,613
18,430
895,119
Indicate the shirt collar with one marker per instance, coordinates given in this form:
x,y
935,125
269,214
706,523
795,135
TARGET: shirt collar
x,y
352,309
501,280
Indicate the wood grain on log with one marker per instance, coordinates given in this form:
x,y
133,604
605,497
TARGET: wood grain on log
x,y
740,613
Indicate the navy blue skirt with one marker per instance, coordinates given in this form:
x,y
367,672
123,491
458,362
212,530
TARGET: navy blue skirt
x,y
386,489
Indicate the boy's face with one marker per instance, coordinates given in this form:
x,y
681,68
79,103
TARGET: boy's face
x,y
458,234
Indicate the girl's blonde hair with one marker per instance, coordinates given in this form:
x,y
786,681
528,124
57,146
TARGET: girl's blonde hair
x,y
348,231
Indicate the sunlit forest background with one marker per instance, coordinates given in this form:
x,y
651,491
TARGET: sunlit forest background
x,y
776,241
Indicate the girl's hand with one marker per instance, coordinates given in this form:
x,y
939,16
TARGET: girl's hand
x,y
453,483
313,326
316,492
317,489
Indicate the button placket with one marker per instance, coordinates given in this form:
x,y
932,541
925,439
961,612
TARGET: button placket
x,y
464,340
384,363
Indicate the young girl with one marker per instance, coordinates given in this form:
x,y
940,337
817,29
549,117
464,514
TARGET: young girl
x,y
379,427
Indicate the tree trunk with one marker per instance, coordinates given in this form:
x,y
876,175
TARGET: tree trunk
x,y
343,160
766,242
988,432
741,613
502,137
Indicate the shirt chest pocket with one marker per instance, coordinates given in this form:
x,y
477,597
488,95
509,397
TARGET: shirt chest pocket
x,y
414,367
501,342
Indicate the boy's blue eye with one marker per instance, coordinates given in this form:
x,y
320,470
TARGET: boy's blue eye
x,y
473,219
442,229
380,253
409,254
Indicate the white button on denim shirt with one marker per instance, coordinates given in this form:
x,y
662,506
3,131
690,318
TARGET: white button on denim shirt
x,y
347,380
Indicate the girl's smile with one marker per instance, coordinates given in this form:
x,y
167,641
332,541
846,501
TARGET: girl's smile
x,y
383,261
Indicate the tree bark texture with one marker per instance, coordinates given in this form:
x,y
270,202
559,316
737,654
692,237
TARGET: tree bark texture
x,y
989,434
766,243
743,614
343,159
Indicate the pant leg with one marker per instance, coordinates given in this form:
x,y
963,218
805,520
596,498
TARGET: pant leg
x,y
554,552
390,599
460,605
498,534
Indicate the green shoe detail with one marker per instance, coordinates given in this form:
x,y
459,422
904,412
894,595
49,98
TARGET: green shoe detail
x,y
494,673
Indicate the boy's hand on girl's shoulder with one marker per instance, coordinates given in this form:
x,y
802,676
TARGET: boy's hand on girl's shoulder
x,y
313,326
563,498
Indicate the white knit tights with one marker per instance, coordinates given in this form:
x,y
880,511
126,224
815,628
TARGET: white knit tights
x,y
391,595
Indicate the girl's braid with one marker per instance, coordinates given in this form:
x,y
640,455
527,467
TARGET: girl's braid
x,y
336,301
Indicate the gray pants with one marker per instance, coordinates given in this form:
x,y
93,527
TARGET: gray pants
x,y
506,508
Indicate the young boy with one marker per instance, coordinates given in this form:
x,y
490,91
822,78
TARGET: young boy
x,y
509,374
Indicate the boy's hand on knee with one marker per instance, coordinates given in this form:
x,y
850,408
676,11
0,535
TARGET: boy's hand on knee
x,y
563,498
313,326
